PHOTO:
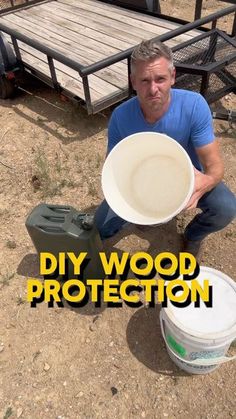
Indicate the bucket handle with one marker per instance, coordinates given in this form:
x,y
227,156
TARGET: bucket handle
x,y
198,361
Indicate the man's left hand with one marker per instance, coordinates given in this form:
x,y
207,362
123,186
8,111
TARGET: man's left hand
x,y
201,186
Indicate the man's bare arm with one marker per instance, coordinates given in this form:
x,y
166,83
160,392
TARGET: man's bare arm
x,y
211,160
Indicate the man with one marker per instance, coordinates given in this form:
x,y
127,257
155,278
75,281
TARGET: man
x,y
184,116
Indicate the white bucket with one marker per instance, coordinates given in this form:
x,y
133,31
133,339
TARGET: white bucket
x,y
147,178
198,339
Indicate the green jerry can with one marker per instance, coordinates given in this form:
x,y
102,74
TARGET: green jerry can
x,y
61,229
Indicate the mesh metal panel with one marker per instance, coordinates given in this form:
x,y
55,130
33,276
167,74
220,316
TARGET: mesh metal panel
x,y
189,82
222,78
4,4
210,49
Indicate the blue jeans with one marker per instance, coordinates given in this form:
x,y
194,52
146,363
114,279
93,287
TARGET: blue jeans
x,y
218,210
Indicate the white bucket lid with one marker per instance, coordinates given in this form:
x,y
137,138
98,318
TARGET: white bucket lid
x,y
147,178
216,321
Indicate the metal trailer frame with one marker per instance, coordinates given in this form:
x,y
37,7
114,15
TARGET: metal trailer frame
x,y
209,64
85,71
229,116
137,5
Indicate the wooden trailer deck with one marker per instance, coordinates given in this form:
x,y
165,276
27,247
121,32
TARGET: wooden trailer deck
x,y
86,31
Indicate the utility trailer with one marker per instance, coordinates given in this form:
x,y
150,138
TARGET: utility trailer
x,y
82,48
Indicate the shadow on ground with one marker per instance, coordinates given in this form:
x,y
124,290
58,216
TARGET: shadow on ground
x,y
55,114
156,239
146,343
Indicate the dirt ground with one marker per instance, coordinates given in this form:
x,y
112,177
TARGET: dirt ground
x,y
86,363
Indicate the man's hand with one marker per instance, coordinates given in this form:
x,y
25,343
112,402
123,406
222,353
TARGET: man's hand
x,y
202,184
212,163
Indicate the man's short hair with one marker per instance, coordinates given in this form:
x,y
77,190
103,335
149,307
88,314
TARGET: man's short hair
x,y
148,50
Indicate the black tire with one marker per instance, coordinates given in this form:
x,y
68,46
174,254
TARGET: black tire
x,y
7,88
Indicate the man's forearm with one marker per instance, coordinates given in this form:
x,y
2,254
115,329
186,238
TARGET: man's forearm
x,y
214,173
212,163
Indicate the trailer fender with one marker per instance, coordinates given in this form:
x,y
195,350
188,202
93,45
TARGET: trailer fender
x,y
8,63
8,60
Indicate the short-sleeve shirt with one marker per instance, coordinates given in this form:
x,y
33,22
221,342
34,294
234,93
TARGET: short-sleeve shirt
x,y
188,120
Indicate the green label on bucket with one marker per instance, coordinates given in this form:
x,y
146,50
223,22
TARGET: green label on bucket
x,y
176,346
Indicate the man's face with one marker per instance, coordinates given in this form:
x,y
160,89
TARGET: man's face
x,y
152,81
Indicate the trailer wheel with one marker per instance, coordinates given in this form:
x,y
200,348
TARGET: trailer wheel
x,y
7,88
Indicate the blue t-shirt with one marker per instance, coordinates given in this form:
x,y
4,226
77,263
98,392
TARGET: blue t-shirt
x,y
188,120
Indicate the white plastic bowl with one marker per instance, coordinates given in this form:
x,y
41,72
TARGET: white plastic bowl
x,y
147,178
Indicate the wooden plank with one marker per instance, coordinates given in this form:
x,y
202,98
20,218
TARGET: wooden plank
x,y
101,37
67,35
109,75
85,56
73,42
159,25
93,23
107,16
38,61
128,16
66,76
97,37
85,17
139,17
96,83
81,25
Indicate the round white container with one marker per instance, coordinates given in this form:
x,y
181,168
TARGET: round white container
x,y
147,178
198,338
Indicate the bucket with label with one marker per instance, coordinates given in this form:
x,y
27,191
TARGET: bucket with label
x,y
147,178
198,338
